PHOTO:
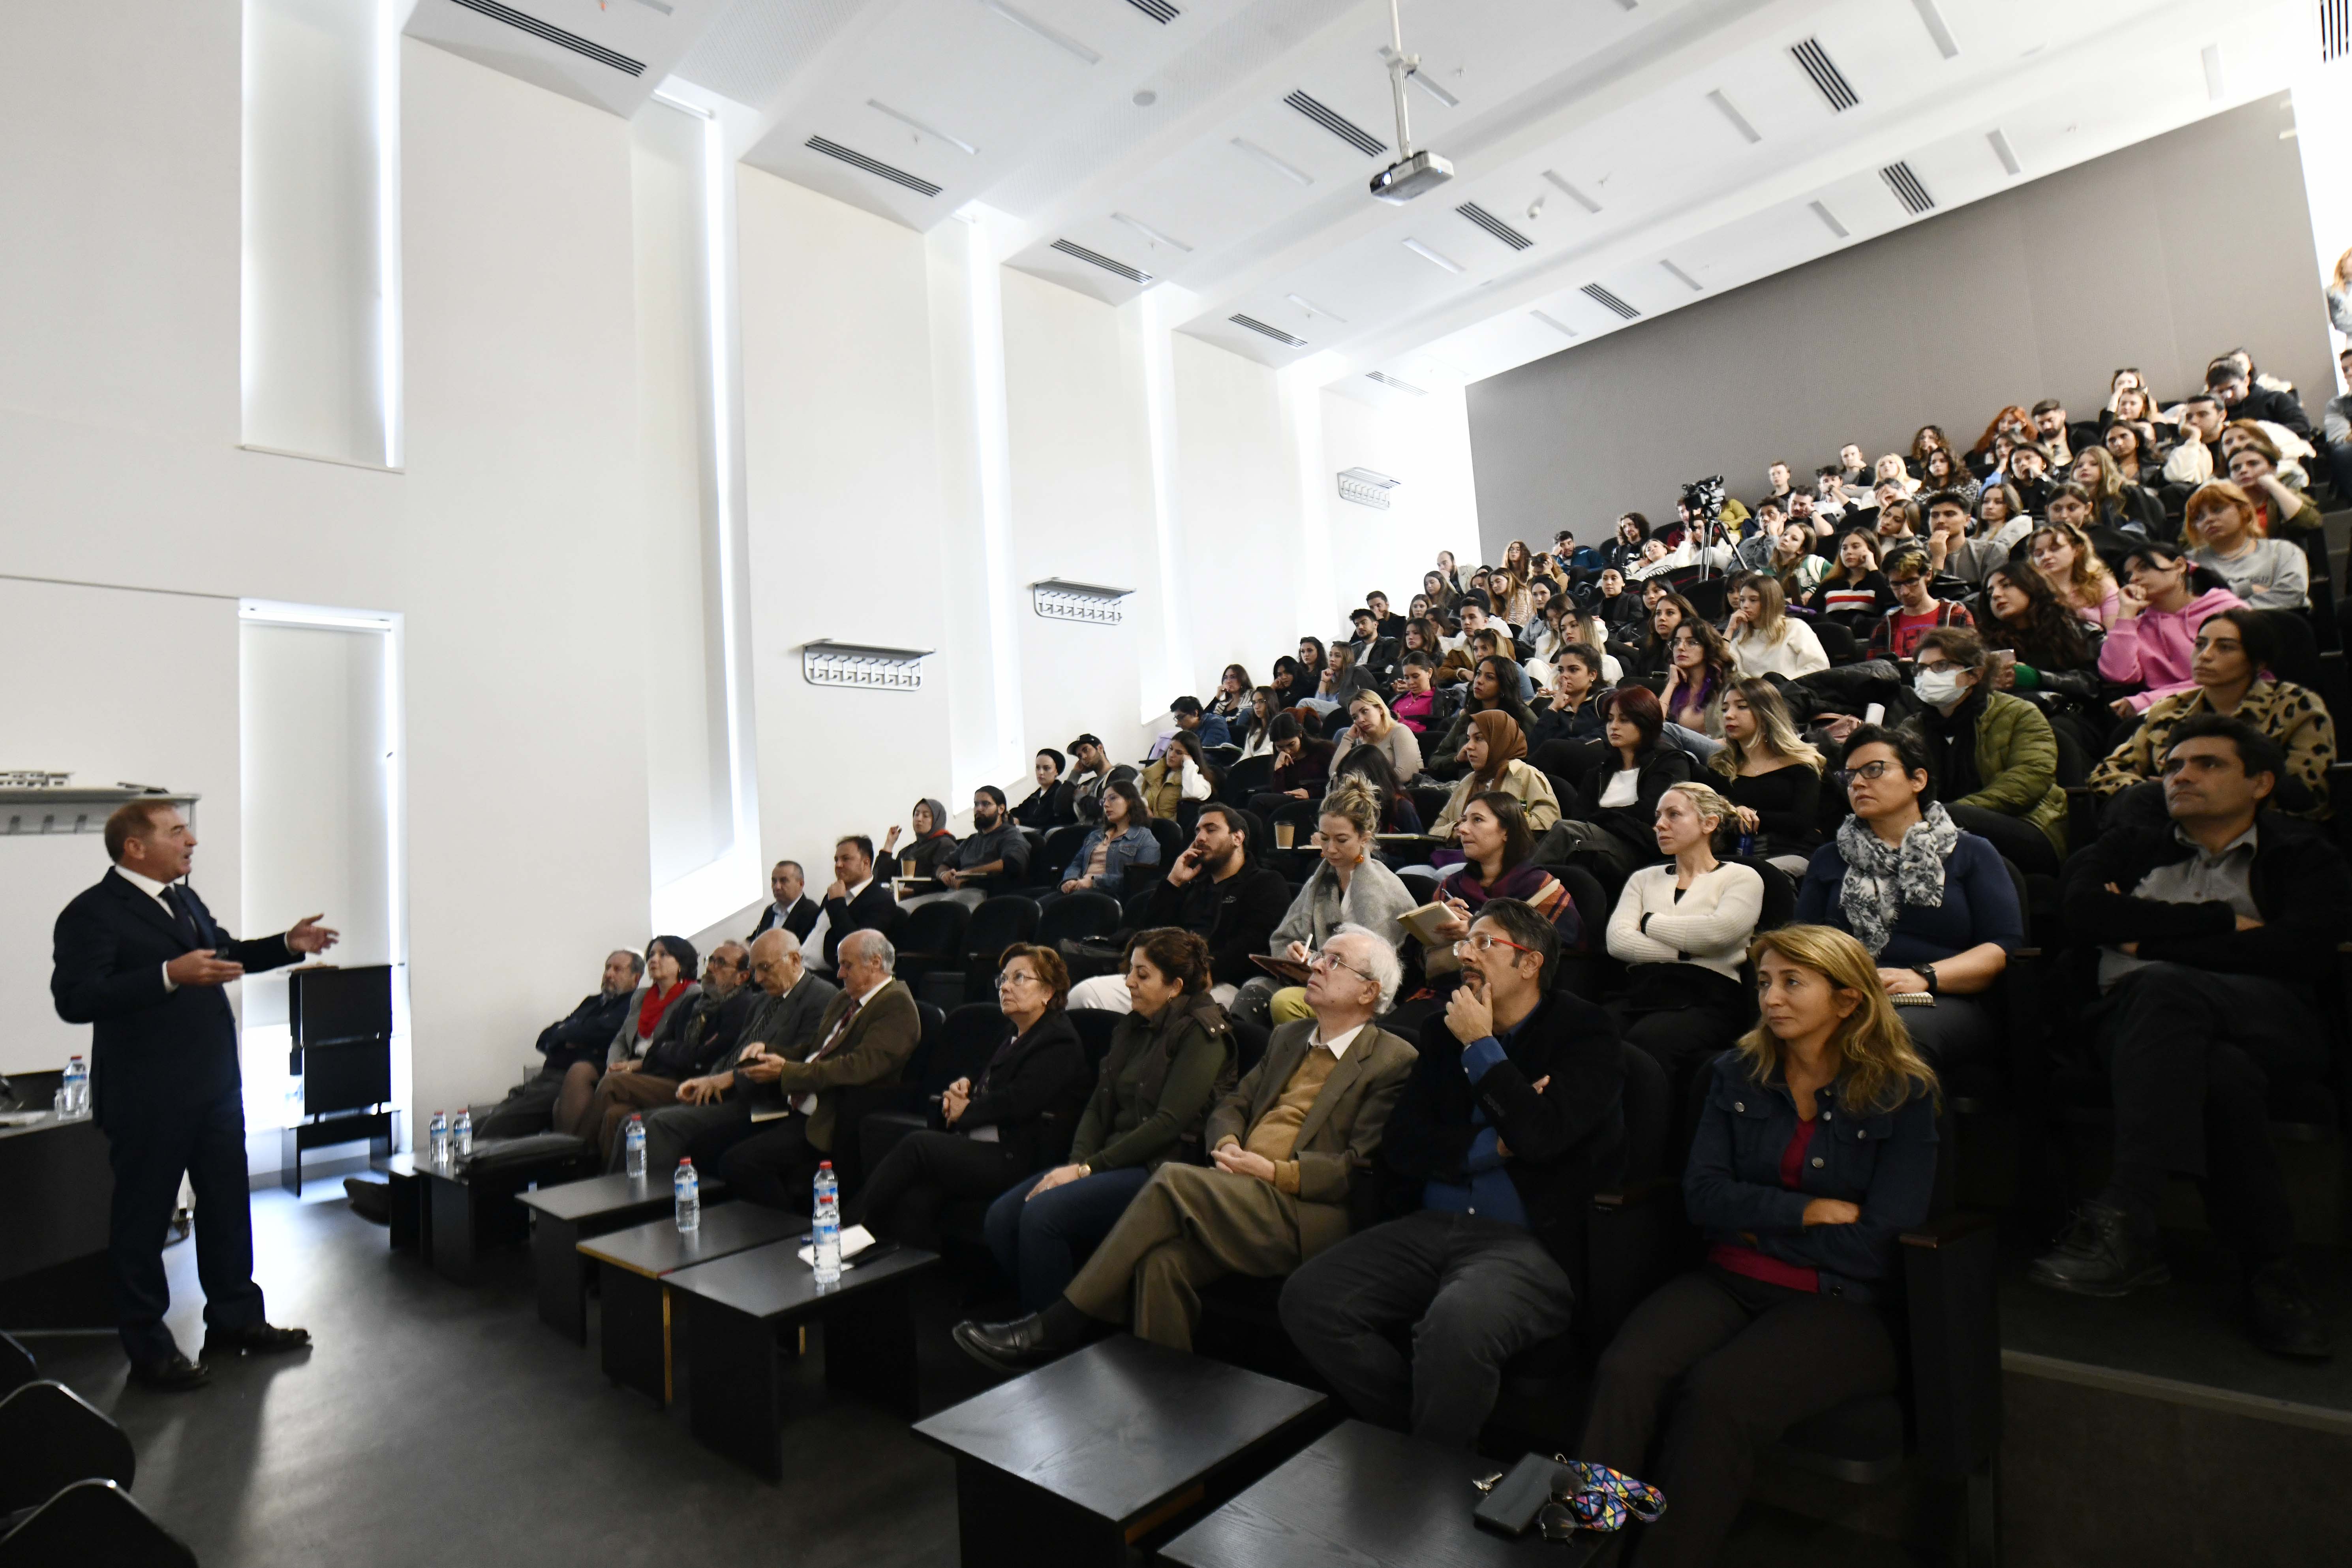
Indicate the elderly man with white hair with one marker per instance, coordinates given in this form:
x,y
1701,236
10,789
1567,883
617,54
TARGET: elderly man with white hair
x,y
1287,1142
721,1109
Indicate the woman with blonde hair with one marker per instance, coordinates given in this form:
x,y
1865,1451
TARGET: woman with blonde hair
x,y
2225,527
1348,887
2116,502
1773,778
1764,639
1376,727
2063,553
1815,1151
1683,927
1512,599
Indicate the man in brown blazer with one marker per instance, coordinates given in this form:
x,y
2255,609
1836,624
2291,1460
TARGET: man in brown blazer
x,y
1287,1142
864,1038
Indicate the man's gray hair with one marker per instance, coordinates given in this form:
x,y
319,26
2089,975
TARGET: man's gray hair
x,y
876,946
636,959
1381,959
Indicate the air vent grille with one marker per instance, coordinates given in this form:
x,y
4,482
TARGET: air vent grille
x,y
856,159
1385,379
1338,124
1097,258
1276,333
1604,297
1905,184
1825,75
2335,29
555,34
1495,226
1159,11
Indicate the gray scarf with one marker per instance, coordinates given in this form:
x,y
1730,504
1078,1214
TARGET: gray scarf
x,y
1880,879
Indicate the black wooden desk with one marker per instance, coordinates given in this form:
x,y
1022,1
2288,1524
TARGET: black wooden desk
x,y
564,1215
738,1311
1364,1496
1076,1462
56,1191
471,1209
633,1267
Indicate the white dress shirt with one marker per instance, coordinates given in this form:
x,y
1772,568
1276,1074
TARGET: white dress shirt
x,y
154,890
814,943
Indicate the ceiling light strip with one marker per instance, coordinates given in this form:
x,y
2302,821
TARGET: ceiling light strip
x,y
1052,35
1149,233
1290,172
1738,121
2003,151
1830,221
1937,28
2215,88
1312,308
1694,286
1432,257
1571,193
912,123
1555,323
1276,333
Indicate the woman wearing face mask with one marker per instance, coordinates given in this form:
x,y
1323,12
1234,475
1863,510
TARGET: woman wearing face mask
x,y
2231,665
1683,929
1932,905
2040,644
1494,757
1773,779
1764,639
1992,753
2166,598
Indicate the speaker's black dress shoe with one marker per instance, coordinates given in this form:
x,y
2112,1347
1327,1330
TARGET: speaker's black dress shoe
x,y
2280,1315
2101,1254
176,1374
261,1338
1012,1347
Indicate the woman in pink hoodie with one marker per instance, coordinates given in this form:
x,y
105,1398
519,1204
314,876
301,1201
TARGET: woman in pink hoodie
x,y
2166,597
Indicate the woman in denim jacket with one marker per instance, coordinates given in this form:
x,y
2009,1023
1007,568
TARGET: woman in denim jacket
x,y
1816,1150
1123,838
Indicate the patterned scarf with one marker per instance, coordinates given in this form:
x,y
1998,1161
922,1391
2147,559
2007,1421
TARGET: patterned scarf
x,y
1881,878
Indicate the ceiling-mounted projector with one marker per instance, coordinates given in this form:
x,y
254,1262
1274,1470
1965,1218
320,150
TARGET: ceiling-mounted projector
x,y
1412,173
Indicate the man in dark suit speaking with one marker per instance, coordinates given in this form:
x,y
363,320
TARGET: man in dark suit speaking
x,y
141,961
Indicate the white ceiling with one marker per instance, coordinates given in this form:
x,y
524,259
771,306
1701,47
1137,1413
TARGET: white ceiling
x,y
1165,146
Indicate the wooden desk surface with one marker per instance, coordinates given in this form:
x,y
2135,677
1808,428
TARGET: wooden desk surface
x,y
655,1248
773,1282
1122,1425
1362,1497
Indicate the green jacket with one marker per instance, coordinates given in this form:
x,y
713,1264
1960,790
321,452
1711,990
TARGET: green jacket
x,y
2017,757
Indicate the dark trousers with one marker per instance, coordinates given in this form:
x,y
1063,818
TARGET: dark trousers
x,y
1952,1030
2189,1055
1475,1292
1037,1242
529,1109
923,1173
2020,843
149,1149
1726,1364
775,1167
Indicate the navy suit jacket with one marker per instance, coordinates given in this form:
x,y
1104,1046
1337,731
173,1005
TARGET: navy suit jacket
x,y
152,1051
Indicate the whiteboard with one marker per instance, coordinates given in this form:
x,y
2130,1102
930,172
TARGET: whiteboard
x,y
109,684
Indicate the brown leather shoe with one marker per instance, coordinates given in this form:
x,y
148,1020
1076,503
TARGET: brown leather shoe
x,y
176,1374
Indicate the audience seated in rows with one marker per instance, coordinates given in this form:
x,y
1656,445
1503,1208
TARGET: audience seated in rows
x,y
1287,1144
1618,796
584,1035
716,1111
1120,840
789,907
1771,776
857,900
1493,755
1994,752
699,1036
1348,887
670,969
1220,891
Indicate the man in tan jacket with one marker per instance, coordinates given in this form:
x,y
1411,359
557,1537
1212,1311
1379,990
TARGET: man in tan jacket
x,y
1288,1142
864,1038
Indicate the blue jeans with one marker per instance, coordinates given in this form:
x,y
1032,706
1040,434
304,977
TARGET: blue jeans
x,y
1034,1242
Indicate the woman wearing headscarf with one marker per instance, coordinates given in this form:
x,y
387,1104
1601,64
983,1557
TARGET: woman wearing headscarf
x,y
1494,753
932,845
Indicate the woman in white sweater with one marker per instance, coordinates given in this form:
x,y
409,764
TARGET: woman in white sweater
x,y
1683,929
1765,638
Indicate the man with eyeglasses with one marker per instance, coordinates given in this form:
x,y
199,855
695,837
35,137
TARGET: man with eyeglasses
x,y
692,1040
711,1113
2216,931
1513,1118
1288,1142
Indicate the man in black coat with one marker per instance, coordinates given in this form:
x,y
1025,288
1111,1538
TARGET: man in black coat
x,y
141,961
857,900
2216,929
2234,384
1513,1118
790,907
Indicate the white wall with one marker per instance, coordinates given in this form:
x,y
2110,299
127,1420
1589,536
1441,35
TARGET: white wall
x,y
1423,442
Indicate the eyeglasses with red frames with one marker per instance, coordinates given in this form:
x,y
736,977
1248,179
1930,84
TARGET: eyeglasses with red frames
x,y
1484,940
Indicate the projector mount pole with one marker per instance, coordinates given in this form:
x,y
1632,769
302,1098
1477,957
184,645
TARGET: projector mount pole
x,y
1400,65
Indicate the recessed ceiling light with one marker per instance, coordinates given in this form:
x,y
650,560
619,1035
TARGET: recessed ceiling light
x,y
1149,233
2214,86
1432,258
1287,171
1738,121
2003,151
1695,286
1830,221
1312,308
1052,35
933,131
1555,323
1937,28
1578,197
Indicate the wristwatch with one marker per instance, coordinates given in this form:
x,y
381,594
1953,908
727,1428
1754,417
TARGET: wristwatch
x,y
1927,974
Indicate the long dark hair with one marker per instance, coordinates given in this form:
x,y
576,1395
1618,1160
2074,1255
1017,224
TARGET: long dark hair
x,y
1372,765
2200,580
1518,839
2053,634
1285,679
1507,691
1322,657
1138,813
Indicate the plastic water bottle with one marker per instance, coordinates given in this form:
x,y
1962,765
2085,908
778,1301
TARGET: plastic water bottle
x,y
687,1187
825,1227
438,1144
634,1139
461,1136
77,1087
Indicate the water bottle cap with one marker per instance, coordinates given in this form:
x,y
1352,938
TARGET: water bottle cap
x,y
825,1164
686,1163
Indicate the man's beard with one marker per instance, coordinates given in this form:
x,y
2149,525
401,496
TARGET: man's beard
x,y
983,824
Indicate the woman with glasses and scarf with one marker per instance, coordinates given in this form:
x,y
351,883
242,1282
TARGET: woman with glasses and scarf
x,y
987,1133
1934,906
